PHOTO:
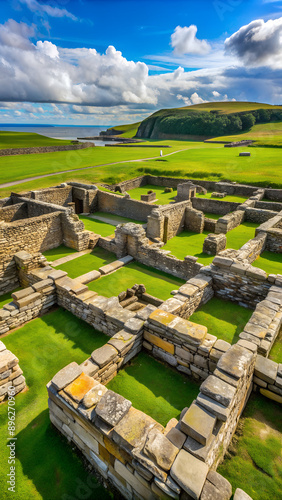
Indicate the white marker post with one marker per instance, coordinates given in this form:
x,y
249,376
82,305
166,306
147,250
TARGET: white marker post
x,y
161,153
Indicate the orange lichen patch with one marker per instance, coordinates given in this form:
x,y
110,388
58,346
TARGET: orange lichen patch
x,y
159,316
79,387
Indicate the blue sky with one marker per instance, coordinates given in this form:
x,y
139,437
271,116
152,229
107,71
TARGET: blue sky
x,y
108,62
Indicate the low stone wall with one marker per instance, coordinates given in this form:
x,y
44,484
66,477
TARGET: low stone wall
x,y
268,205
273,229
268,379
44,149
274,194
258,215
125,207
209,225
13,212
194,220
167,221
58,195
27,304
229,221
12,380
214,206
252,249
9,279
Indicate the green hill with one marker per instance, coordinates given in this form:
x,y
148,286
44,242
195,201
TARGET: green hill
x,y
208,120
27,140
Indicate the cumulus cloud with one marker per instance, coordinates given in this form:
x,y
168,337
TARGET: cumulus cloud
x,y
36,6
184,41
258,43
215,93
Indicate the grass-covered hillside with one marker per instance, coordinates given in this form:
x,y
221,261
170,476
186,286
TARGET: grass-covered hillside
x,y
126,131
27,140
208,120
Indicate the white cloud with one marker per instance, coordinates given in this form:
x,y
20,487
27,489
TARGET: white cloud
x,y
258,43
196,99
184,41
48,49
35,6
215,93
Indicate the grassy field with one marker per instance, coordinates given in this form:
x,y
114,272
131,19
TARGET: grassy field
x,y
254,460
230,106
276,351
240,235
27,140
270,262
151,386
97,226
265,134
189,243
224,319
157,283
46,466
128,131
58,253
89,262
162,197
235,199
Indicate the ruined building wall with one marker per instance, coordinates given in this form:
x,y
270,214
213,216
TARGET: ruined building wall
x,y
56,195
119,205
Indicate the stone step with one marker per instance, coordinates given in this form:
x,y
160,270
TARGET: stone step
x,y
198,423
68,258
117,264
88,277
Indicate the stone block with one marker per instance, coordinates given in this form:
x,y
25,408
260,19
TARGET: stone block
x,y
176,437
163,344
216,487
190,473
235,361
164,356
93,396
112,408
184,354
161,318
104,355
271,395
89,367
131,432
67,375
266,369
161,490
241,495
218,390
141,490
160,449
198,423
134,325
79,387
188,332
144,313
7,360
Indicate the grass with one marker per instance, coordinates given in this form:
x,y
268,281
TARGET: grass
x,y
224,319
209,215
27,140
128,131
46,467
6,298
151,386
117,218
157,283
235,199
255,463
97,226
189,243
240,235
230,106
276,351
89,262
162,197
270,262
58,253
265,134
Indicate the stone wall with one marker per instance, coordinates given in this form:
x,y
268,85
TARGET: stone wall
x,y
12,380
125,207
194,220
274,194
229,221
268,205
167,221
44,149
273,229
214,206
251,250
268,379
11,213
258,215
58,195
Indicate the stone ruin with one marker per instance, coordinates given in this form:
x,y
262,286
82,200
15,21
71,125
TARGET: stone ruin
x,y
126,447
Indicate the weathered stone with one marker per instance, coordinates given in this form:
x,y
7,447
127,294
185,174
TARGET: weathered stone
x,y
162,491
79,387
176,437
144,492
241,495
218,390
190,473
166,357
183,353
266,369
67,375
198,423
216,487
131,432
160,449
7,360
186,330
161,317
104,355
163,344
235,361
89,367
112,408
134,325
93,396
271,395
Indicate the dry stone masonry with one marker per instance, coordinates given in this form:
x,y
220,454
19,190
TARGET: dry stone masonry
x,y
12,380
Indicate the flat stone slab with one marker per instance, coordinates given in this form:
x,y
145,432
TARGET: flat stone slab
x,y
104,355
131,432
266,369
157,341
176,437
88,277
235,361
68,258
188,332
241,495
112,408
67,375
93,396
216,487
7,360
160,449
198,423
79,387
190,473
218,390
117,264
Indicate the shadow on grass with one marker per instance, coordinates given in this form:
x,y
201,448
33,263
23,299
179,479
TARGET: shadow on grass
x,y
47,459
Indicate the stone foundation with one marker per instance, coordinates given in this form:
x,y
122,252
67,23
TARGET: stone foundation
x,y
12,380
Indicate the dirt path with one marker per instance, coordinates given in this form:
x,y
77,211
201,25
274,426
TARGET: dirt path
x,y
28,179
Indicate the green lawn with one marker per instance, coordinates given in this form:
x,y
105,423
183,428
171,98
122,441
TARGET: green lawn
x,y
117,218
157,283
240,235
162,197
27,140
97,226
209,215
58,253
46,466
224,319
89,262
276,351
270,262
6,298
189,243
154,388
265,134
235,199
254,463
